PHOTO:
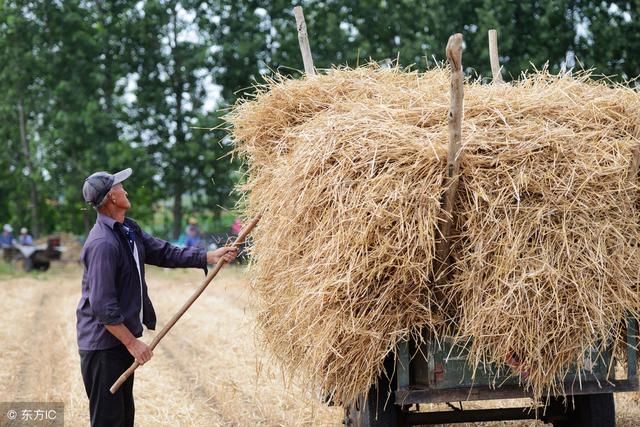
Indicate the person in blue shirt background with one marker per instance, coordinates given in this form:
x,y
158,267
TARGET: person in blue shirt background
x,y
6,238
193,233
25,238
115,303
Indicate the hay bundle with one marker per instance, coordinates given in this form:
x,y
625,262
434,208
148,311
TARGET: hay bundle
x,y
547,264
348,170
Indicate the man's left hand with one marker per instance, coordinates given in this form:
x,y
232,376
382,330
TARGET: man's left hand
x,y
228,253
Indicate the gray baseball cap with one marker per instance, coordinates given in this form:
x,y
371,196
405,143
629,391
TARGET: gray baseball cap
x,y
97,185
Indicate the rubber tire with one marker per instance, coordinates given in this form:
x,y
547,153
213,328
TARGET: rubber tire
x,y
596,410
379,409
40,261
27,264
591,410
373,412
42,265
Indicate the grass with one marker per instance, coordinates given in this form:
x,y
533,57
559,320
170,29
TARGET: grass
x,y
14,270
8,270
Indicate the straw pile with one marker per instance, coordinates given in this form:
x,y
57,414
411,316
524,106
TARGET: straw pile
x,y
348,169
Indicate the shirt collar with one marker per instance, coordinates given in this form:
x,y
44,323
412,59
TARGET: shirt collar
x,y
107,220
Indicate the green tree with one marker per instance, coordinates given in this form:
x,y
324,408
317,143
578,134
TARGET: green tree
x,y
531,33
22,97
87,86
172,60
257,37
610,38
87,68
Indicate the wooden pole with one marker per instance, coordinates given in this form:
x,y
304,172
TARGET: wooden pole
x,y
303,39
454,57
241,237
496,70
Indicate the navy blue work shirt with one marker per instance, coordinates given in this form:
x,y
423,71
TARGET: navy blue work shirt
x,y
111,291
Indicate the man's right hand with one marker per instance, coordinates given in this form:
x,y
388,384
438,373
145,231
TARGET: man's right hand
x,y
140,351
137,348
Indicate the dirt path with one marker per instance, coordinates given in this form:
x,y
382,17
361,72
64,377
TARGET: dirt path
x,y
208,371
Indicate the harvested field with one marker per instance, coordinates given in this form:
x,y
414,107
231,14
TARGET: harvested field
x,y
348,170
206,372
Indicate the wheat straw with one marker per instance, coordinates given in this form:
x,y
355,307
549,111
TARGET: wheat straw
x,y
347,169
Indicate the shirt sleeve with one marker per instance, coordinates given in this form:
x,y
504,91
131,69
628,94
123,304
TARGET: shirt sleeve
x,y
163,254
101,261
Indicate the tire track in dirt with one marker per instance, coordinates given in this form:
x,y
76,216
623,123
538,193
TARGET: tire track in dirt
x,y
179,373
233,364
173,360
30,361
58,314
209,386
30,327
36,370
216,381
212,337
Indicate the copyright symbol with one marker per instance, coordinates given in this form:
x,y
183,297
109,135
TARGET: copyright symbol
x,y
11,414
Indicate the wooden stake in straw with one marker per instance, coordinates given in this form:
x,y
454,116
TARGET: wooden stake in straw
x,y
454,56
241,237
496,70
303,39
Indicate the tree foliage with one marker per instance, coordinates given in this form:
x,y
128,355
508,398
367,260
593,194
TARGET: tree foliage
x,y
89,86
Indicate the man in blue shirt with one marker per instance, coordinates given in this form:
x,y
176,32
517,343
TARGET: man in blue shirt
x,y
25,238
115,302
6,238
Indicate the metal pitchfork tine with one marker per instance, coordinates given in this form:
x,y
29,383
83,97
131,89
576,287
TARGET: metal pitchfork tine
x,y
241,237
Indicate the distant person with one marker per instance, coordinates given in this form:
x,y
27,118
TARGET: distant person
x,y
235,230
193,233
25,238
6,239
236,227
115,303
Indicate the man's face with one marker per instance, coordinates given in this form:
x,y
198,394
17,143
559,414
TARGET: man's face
x,y
119,196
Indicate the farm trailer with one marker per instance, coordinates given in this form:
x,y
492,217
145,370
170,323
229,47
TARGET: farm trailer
x,y
439,372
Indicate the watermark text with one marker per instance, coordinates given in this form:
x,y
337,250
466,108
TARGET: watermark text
x,y
19,414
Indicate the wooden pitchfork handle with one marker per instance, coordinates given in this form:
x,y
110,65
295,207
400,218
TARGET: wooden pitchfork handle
x,y
241,237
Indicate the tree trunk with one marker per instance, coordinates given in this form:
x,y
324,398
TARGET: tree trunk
x,y
33,190
177,212
177,85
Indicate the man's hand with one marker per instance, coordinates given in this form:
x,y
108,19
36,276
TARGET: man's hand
x,y
228,253
137,348
140,351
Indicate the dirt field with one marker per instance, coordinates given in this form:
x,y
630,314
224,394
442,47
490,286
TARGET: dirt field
x,y
207,372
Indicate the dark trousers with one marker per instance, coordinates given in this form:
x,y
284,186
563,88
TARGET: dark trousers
x,y
100,369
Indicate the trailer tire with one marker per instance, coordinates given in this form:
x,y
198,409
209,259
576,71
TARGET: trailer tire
x,y
375,411
40,261
595,410
27,264
588,410
378,409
